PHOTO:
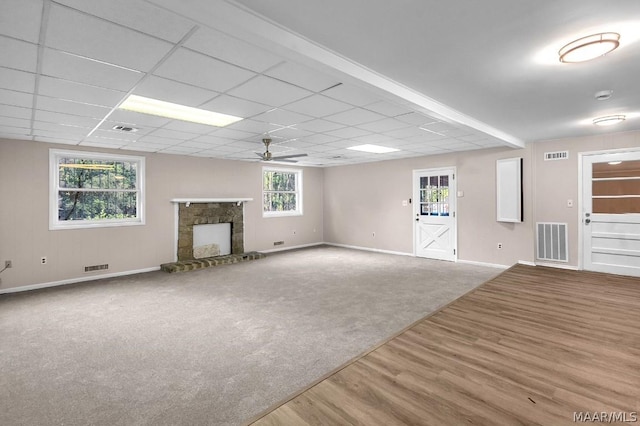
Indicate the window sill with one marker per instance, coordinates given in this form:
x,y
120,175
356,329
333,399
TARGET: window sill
x,y
93,224
280,214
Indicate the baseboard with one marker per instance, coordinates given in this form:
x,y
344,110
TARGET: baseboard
x,y
558,265
399,253
489,265
526,262
75,280
292,247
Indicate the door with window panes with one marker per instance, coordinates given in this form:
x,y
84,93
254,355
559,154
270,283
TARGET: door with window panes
x,y
434,214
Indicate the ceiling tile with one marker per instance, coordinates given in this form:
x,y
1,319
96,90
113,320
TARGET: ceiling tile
x,y
253,126
65,119
218,143
107,133
290,133
71,67
19,99
319,126
70,107
354,117
269,91
384,125
198,144
351,95
185,126
50,139
373,138
15,130
179,149
439,126
318,106
415,118
95,38
407,132
298,144
229,49
474,137
302,76
172,134
18,54
235,106
158,141
60,129
21,19
134,146
139,15
387,108
348,133
15,122
282,117
103,143
203,71
319,139
233,134
14,111
17,80
62,89
172,91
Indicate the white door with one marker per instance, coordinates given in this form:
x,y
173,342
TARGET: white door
x,y
434,198
611,213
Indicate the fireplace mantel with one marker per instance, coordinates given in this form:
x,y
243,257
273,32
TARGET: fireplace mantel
x,y
209,200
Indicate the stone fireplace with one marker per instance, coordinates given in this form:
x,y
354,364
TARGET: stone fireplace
x,y
195,212
207,211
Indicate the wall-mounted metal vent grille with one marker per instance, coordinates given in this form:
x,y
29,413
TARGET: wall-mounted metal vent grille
x,y
96,267
558,155
552,241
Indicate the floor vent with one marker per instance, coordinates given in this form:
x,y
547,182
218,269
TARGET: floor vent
x,y
558,155
96,267
552,241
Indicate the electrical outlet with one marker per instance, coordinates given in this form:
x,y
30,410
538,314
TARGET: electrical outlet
x,y
43,260
8,264
294,232
373,234
499,245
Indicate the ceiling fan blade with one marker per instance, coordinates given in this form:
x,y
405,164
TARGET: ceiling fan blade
x,y
282,157
259,155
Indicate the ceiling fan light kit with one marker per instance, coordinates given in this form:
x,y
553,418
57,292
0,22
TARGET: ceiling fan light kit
x,y
589,47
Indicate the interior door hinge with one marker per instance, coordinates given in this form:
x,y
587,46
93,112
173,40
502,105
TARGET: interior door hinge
x,y
454,252
454,214
454,176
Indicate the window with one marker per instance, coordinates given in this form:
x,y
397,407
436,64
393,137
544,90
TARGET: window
x,y
281,192
90,189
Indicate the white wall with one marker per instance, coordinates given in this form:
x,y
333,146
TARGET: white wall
x,y
24,222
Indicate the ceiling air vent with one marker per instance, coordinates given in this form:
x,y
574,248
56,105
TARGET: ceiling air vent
x,y
558,155
122,128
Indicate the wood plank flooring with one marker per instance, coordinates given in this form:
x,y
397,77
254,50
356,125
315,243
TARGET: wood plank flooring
x,y
530,347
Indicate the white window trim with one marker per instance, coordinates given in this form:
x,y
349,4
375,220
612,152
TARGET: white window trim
x,y
55,224
299,198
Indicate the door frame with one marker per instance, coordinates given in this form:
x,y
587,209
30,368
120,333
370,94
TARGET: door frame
x,y
453,191
581,156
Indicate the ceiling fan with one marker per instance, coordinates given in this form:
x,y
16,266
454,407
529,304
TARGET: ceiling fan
x,y
267,156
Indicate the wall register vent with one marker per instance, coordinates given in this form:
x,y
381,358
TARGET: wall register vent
x,y
551,241
558,155
96,267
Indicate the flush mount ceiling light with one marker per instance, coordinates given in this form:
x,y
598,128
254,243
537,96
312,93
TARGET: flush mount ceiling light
x,y
609,120
178,112
375,149
589,47
603,95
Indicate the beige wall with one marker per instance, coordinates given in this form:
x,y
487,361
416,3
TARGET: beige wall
x,y
24,223
367,198
556,182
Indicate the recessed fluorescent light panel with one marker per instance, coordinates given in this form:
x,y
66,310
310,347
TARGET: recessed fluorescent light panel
x,y
178,112
375,149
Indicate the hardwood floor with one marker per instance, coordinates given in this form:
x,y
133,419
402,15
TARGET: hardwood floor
x,y
530,347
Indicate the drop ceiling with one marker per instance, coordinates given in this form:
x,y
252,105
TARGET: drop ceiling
x,y
423,77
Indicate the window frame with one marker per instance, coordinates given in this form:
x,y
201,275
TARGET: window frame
x,y
54,180
299,194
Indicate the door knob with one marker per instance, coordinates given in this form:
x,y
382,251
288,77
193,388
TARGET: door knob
x,y
587,221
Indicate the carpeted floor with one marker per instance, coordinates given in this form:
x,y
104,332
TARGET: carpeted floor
x,y
208,347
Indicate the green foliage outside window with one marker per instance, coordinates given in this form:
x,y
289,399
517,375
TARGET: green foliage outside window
x,y
95,189
280,191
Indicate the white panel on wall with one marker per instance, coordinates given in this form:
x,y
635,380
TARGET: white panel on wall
x,y
509,190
